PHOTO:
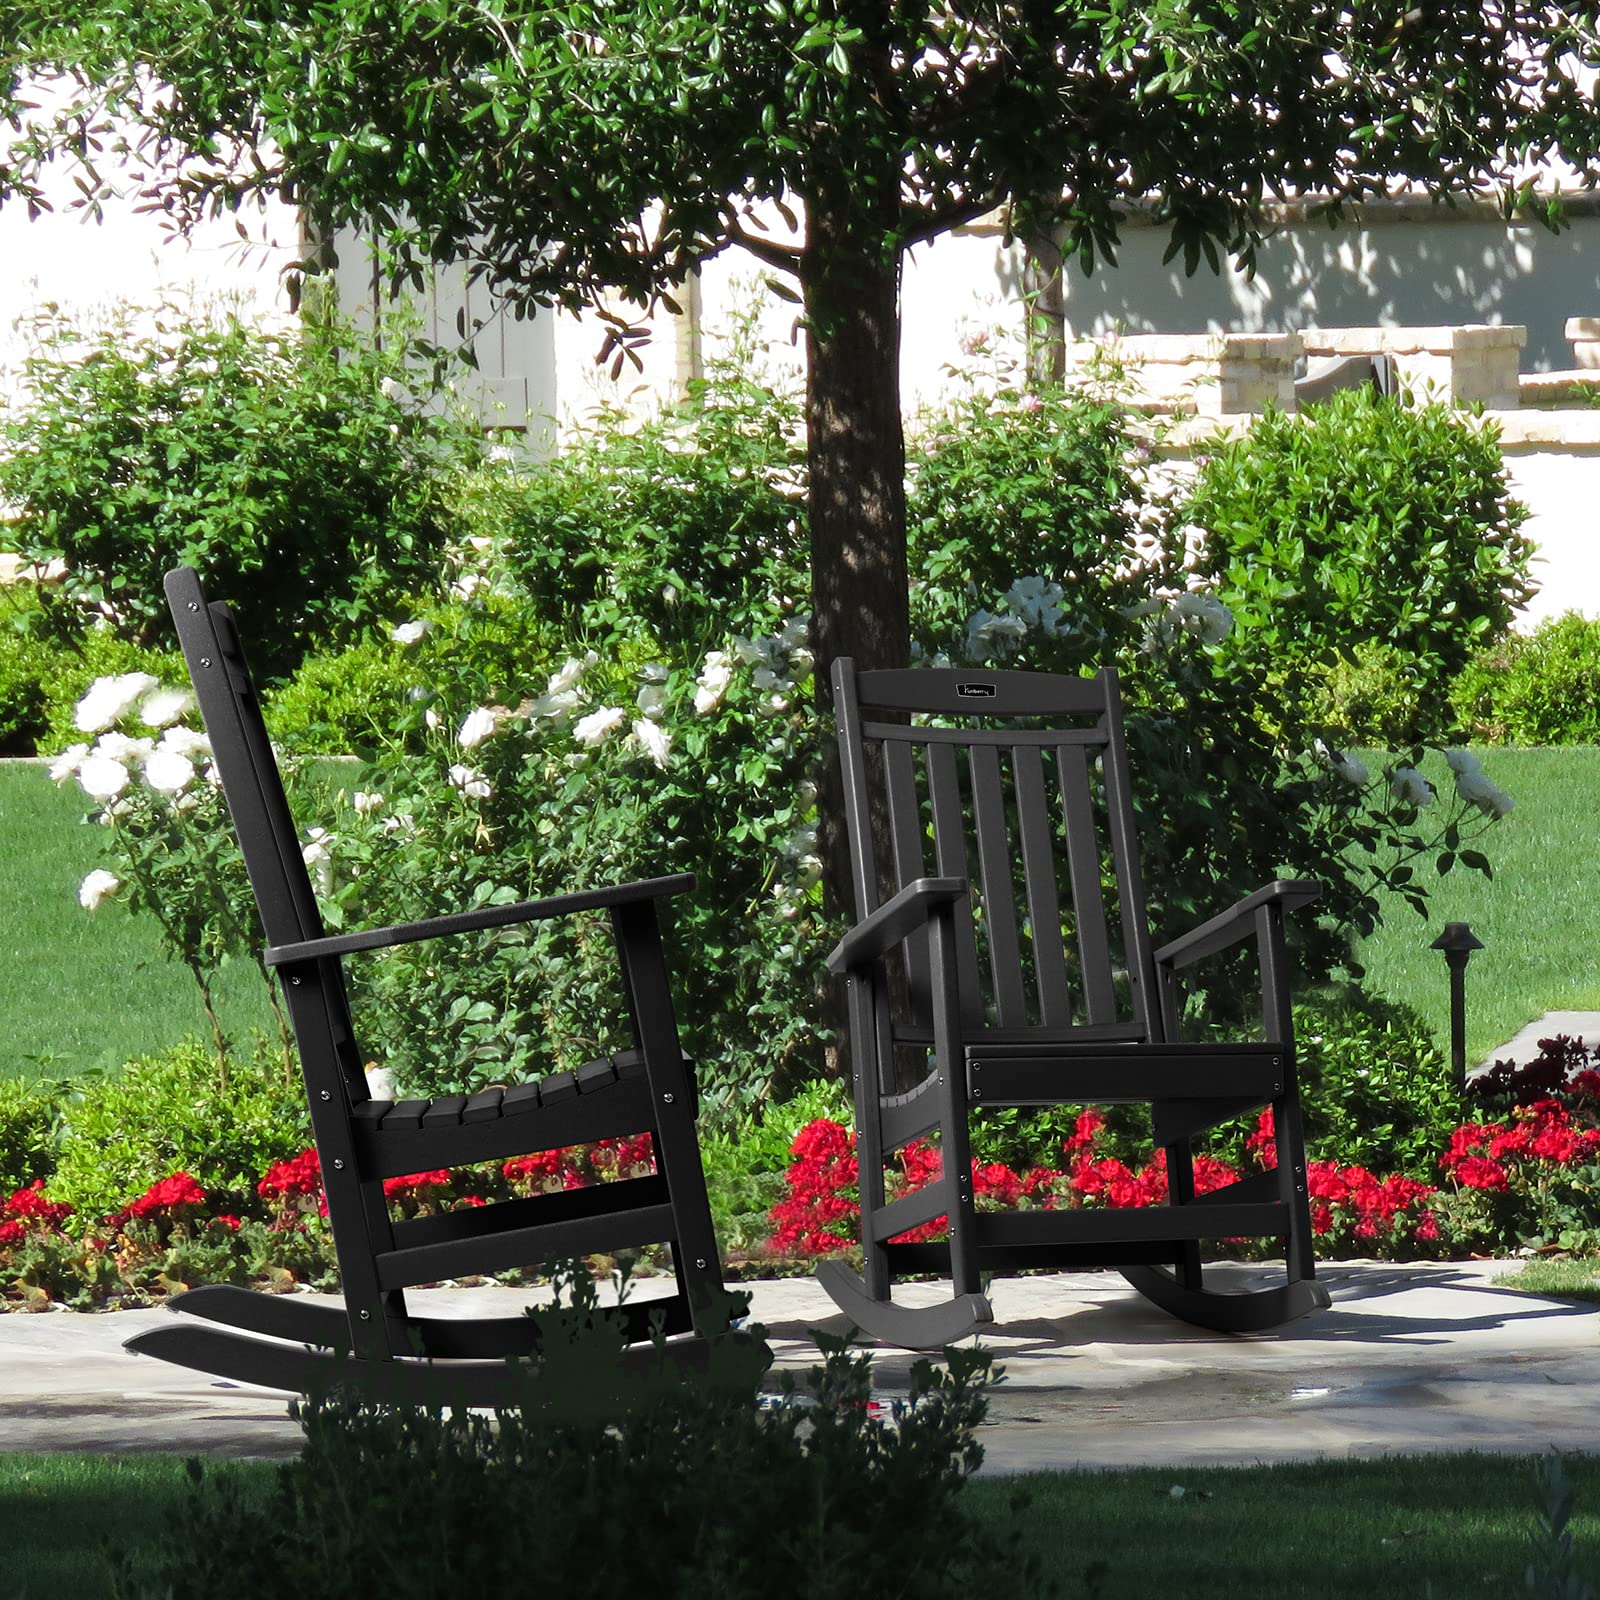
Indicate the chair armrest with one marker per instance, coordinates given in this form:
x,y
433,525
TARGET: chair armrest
x,y
560,905
1237,922
881,930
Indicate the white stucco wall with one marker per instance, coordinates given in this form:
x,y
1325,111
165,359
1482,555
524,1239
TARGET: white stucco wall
x,y
83,267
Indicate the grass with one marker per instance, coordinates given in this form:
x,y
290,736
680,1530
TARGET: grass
x,y
1558,1278
1539,917
81,990
1380,1529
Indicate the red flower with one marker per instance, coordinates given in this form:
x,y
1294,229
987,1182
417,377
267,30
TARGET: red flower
x,y
1478,1172
31,1203
301,1174
232,1224
998,1182
1089,1123
415,1182
1263,1144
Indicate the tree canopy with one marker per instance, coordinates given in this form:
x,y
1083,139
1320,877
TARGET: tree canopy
x,y
570,150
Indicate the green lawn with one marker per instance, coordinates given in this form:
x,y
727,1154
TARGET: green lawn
x,y
1539,918
1380,1529
81,989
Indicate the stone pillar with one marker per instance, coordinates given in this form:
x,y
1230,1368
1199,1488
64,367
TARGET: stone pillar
x,y
1584,332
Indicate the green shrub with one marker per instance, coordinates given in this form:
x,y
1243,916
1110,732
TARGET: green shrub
x,y
679,531
351,701
297,473
1535,689
24,672
178,1112
28,1119
1376,1090
1041,485
690,1481
1376,696
1364,519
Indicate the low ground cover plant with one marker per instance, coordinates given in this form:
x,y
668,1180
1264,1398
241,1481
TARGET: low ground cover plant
x,y
844,1493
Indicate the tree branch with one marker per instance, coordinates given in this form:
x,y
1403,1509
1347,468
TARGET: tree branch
x,y
785,257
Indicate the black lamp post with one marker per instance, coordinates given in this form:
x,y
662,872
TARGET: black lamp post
x,y
1458,942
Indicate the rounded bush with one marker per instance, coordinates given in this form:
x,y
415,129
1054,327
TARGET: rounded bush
x,y
297,473
1362,520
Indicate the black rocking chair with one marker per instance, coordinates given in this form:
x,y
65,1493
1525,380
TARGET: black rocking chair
x,y
373,1344
973,760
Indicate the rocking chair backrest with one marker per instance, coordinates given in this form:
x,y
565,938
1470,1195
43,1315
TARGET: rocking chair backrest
x,y
1019,781
267,835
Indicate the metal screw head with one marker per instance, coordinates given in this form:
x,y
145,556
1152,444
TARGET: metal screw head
x,y
326,1095
194,605
666,1099
205,661
338,1165
366,1316
295,982
700,1262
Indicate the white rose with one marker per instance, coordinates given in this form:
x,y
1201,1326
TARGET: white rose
x,y
365,802
471,782
712,684
102,778
164,706
594,727
119,747
567,678
65,765
1353,771
652,701
110,698
411,632
1409,786
185,741
478,726
1475,788
168,772
1461,762
96,887
657,742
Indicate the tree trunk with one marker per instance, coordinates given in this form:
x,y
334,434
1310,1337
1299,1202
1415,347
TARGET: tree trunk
x,y
856,456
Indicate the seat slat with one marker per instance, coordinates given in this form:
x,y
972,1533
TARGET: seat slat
x,y
593,1075
557,1087
999,899
950,851
1039,871
445,1112
484,1106
405,1116
1083,860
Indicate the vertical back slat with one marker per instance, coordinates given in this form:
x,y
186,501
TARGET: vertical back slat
x,y
905,832
1083,858
1125,853
950,851
999,901
1044,904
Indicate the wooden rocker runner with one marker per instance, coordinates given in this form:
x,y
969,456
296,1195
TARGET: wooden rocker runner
x,y
374,1344
964,994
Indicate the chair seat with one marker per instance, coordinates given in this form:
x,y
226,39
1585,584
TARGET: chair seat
x,y
605,1098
